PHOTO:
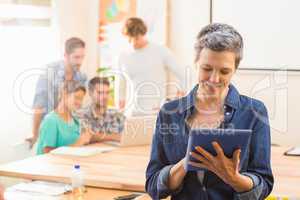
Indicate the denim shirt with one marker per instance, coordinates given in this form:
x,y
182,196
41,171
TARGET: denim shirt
x,y
170,141
46,92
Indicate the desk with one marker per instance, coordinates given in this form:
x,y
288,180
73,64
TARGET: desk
x,y
124,169
286,170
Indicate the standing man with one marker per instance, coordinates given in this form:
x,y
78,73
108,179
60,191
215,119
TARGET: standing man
x,y
146,65
46,94
106,123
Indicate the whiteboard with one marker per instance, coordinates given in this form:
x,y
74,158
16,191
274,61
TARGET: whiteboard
x,y
270,29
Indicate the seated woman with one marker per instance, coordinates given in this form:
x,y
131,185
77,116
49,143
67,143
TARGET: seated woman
x,y
213,103
59,127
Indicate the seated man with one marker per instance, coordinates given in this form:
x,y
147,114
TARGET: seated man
x,y
107,124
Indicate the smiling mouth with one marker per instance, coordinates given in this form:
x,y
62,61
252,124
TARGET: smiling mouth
x,y
212,85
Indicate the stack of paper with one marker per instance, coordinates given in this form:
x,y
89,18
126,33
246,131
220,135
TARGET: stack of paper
x,y
81,151
295,151
36,190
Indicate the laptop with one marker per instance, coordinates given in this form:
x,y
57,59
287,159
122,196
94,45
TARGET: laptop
x,y
138,130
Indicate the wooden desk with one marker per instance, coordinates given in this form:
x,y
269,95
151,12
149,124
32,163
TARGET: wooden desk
x,y
124,169
286,170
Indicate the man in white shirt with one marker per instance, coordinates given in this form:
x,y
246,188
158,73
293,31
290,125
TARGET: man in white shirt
x,y
146,65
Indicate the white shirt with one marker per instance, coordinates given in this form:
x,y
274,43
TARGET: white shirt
x,y
146,69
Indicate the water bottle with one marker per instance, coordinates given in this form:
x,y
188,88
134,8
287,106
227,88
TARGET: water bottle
x,y
77,183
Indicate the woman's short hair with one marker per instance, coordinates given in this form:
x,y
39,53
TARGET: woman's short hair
x,y
220,37
134,27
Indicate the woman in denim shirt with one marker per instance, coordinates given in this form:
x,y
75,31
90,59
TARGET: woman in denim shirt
x,y
214,102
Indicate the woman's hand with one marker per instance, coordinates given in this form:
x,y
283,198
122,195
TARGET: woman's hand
x,y
84,137
225,168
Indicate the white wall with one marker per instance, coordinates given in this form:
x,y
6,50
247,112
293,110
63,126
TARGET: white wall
x,y
186,20
79,18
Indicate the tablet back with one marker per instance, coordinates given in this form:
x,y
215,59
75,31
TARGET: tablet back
x,y
229,139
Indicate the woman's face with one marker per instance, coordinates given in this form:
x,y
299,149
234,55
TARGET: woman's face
x,y
74,100
215,70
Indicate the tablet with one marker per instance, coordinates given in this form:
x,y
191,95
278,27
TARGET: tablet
x,y
229,139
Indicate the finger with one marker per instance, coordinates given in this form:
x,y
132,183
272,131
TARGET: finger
x,y
91,132
199,157
218,149
236,158
199,165
204,153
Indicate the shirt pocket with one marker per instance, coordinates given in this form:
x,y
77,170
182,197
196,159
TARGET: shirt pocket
x,y
174,147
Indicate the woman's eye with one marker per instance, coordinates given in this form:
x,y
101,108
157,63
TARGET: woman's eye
x,y
225,72
206,69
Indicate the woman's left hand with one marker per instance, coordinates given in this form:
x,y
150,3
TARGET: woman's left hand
x,y
225,168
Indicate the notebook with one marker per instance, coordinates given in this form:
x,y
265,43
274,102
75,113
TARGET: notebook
x,y
295,151
81,151
229,139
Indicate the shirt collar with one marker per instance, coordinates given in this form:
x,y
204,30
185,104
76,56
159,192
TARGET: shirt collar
x,y
187,103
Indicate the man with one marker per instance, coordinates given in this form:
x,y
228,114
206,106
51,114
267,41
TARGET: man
x,y
146,65
107,124
46,94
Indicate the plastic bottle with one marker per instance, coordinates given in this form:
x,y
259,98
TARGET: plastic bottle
x,y
77,183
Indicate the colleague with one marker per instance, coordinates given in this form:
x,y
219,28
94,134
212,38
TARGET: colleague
x,y
146,64
106,123
45,99
213,103
60,127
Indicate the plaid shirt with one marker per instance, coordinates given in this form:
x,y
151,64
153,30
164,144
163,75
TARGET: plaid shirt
x,y
111,122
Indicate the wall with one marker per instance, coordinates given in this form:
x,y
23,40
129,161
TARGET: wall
x,y
186,19
79,18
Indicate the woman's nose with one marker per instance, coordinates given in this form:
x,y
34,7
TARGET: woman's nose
x,y
214,77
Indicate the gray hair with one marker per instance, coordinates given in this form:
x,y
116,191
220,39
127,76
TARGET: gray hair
x,y
69,87
220,37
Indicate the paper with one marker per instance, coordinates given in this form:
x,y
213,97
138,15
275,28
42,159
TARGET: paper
x,y
81,151
39,190
295,151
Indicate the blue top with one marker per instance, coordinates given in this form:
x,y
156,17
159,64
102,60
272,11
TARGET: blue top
x,y
170,144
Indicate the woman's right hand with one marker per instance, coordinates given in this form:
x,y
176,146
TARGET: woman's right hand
x,y
85,137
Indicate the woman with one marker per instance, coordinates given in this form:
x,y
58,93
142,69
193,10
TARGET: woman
x,y
213,103
60,128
